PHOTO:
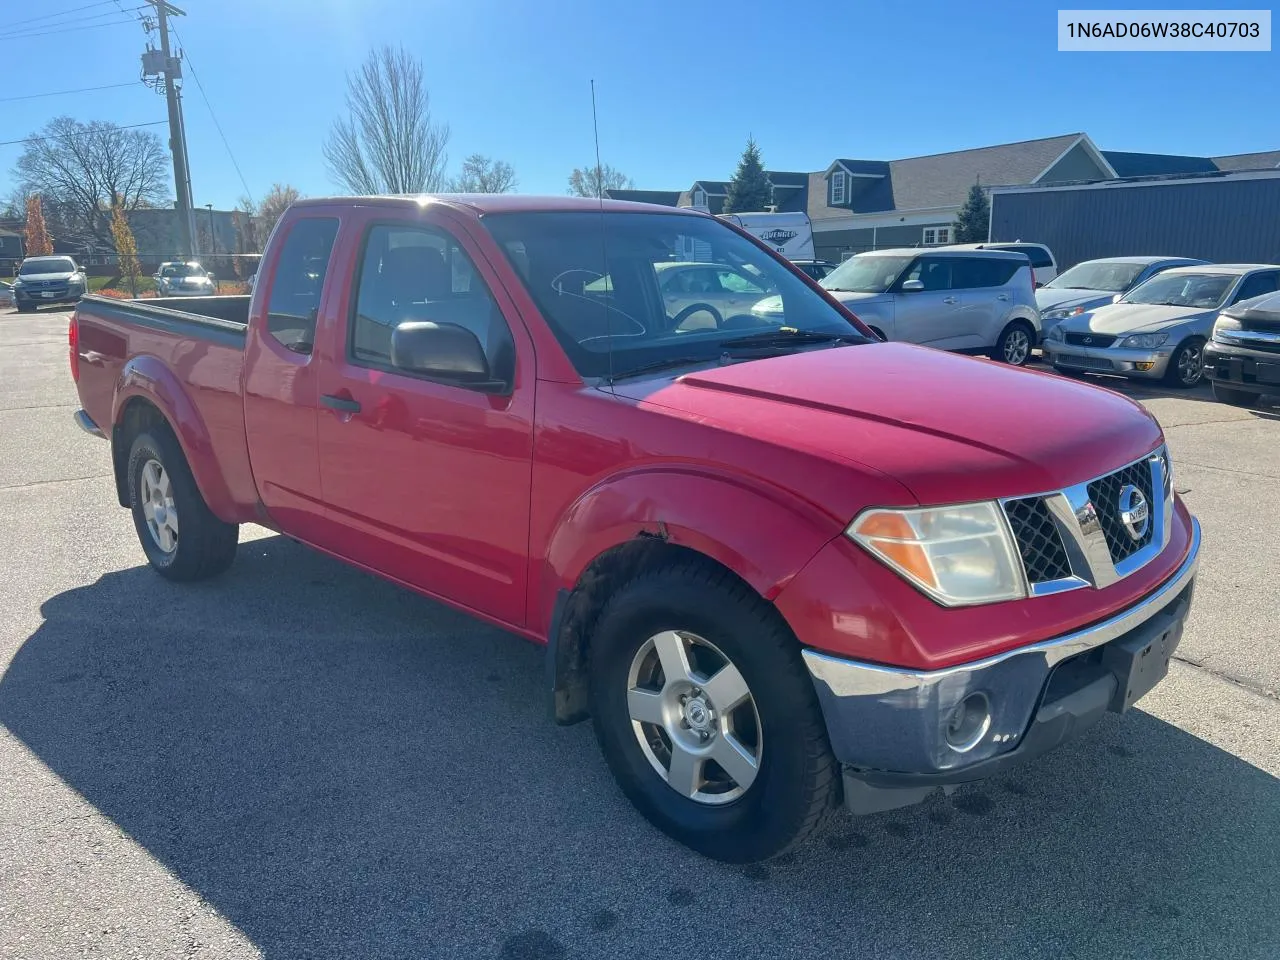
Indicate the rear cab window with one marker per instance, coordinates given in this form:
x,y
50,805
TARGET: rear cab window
x,y
1038,255
298,282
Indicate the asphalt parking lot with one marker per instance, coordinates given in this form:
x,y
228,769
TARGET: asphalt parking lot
x,y
299,760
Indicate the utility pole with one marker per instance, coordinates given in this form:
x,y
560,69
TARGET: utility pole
x,y
171,69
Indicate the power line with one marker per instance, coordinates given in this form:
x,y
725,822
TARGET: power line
x,y
59,93
126,126
90,26
200,86
63,13
108,16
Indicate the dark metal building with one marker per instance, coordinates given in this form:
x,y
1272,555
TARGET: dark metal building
x,y
1226,217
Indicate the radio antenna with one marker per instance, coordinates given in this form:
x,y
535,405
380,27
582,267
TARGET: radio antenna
x,y
604,244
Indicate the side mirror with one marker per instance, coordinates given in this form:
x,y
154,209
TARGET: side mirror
x,y
444,351
912,286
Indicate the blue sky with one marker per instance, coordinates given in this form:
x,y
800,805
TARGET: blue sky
x,y
679,86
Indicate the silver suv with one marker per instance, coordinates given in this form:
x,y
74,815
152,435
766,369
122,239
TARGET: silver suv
x,y
970,301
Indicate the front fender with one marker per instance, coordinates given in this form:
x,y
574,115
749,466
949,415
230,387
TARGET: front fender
x,y
764,534
148,378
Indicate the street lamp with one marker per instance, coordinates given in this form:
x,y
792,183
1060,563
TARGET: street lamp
x,y
213,240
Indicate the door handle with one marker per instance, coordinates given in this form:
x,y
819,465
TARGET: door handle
x,y
948,299
1002,296
345,404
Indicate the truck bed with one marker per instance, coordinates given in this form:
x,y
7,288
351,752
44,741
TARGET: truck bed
x,y
187,348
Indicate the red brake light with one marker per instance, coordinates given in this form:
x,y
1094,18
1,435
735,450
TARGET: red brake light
x,y
73,344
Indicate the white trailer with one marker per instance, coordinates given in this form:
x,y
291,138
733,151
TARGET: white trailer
x,y
791,234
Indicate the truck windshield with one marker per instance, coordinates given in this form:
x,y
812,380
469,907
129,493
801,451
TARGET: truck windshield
x,y
652,287
866,273
47,265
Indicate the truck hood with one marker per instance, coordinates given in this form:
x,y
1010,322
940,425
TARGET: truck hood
x,y
1118,318
947,427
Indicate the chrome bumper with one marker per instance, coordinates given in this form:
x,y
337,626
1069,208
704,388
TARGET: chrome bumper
x,y
85,423
889,724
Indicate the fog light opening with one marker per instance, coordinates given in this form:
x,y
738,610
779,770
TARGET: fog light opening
x,y
1144,365
969,722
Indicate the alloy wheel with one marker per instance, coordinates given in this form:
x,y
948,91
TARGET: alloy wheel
x,y
156,494
694,717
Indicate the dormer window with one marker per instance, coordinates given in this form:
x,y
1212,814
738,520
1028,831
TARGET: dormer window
x,y
699,197
839,188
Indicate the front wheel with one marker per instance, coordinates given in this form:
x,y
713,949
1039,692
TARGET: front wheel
x,y
180,535
1186,366
706,715
1015,343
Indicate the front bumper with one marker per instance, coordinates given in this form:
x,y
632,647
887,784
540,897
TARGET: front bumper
x,y
38,298
888,726
1109,359
1242,368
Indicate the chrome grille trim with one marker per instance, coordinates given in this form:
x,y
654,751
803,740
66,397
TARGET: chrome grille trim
x,y
1083,538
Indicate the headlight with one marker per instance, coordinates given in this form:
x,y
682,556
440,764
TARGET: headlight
x,y
1225,324
1145,341
1061,314
958,555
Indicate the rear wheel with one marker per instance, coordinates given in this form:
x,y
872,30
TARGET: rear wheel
x,y
1015,343
181,537
1186,366
1237,398
706,715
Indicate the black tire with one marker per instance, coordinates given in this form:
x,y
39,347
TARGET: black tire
x,y
797,781
1237,398
1174,376
689,311
1015,344
204,546
26,308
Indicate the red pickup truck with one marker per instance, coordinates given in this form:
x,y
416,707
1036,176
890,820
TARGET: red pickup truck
x,y
781,565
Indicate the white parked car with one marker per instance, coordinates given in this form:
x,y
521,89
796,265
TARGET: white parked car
x,y
969,301
1158,330
177,279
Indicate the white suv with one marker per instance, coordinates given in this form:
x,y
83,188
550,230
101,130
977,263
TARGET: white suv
x,y
970,301
1044,266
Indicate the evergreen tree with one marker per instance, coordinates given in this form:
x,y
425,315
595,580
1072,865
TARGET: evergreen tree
x,y
750,190
973,223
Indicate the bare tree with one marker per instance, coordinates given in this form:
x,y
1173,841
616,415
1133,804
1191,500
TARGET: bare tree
x,y
388,142
80,168
481,174
274,204
593,181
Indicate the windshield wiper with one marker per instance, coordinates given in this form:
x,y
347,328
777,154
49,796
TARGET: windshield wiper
x,y
788,337
661,365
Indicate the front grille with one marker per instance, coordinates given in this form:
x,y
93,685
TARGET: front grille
x,y
1074,360
1090,339
1105,495
1039,543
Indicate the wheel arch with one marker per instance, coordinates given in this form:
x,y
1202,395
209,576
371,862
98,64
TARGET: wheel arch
x,y
762,538
149,395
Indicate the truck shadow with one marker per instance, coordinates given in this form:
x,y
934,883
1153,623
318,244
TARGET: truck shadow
x,y
345,769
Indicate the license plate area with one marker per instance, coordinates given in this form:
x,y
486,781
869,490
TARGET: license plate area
x,y
46,293
1141,660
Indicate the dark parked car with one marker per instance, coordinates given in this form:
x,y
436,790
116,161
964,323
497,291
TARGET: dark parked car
x,y
45,280
1242,360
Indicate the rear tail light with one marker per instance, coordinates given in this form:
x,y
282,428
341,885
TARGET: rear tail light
x,y
73,345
